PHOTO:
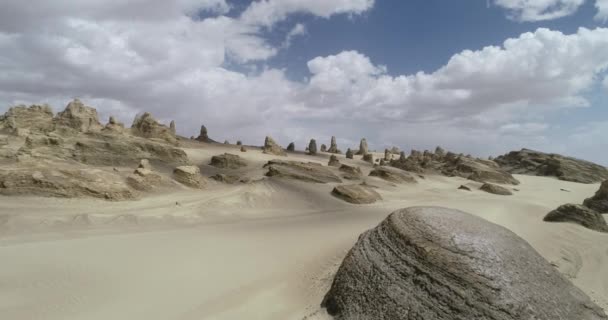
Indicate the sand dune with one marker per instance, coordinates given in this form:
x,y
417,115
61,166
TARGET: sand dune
x,y
264,250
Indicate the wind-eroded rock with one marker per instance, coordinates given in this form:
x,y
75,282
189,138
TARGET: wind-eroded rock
x,y
304,171
492,188
79,117
578,214
189,175
392,175
271,147
356,194
146,126
351,172
227,161
435,263
599,202
34,118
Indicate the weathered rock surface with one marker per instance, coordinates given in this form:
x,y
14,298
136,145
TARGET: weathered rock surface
x,y
363,149
578,214
203,135
349,154
79,117
333,161
34,118
357,194
304,171
144,179
271,147
227,161
492,188
435,263
61,182
537,163
227,178
189,176
333,146
392,175
312,147
114,126
599,202
146,126
368,157
323,148
351,172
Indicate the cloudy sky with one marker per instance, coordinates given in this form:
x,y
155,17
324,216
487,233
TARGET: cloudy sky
x,y
475,76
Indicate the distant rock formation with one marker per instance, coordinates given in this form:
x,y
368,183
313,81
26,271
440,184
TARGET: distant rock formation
x,y
203,135
312,147
429,263
78,117
34,118
537,163
363,149
356,194
392,175
349,154
291,147
189,176
578,214
494,189
227,161
226,142
172,127
323,148
599,202
387,155
239,143
463,187
303,171
146,126
351,172
368,157
333,161
114,126
333,146
271,147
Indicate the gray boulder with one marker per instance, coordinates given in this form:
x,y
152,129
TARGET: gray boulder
x,y
494,189
271,147
432,263
333,161
312,147
333,146
578,214
349,154
189,176
363,149
599,202
291,147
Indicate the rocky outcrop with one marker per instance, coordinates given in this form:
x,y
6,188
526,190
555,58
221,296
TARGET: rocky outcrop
x,y
312,147
79,117
465,188
436,263
203,135
387,155
537,163
351,172
227,161
578,214
368,157
114,126
349,154
172,127
63,182
494,189
146,126
304,171
228,178
291,147
356,194
392,175
144,178
271,147
333,161
363,149
34,118
189,176
323,148
599,202
333,146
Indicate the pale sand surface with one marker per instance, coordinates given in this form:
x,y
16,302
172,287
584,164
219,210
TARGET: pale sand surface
x,y
265,250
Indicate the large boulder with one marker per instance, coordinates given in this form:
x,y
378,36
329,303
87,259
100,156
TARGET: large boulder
x,y
291,147
478,170
34,118
304,171
227,161
436,263
356,194
56,181
392,175
363,149
599,202
144,179
494,189
312,147
578,214
79,117
565,168
189,176
271,147
144,125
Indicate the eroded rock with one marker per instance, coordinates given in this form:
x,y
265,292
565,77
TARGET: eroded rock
x,y
494,189
599,202
392,175
356,194
271,147
304,171
578,214
228,161
189,176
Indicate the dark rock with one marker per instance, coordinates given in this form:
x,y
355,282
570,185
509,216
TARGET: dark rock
x,y
363,149
463,187
333,146
349,154
304,171
226,142
243,149
599,202
351,172
291,147
203,135
492,188
323,148
271,147
227,161
239,143
312,147
578,214
356,194
333,161
368,157
431,263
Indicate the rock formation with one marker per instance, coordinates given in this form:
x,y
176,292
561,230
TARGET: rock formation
x,y
271,147
114,126
402,157
333,161
243,149
239,143
312,147
189,176
303,171
146,126
227,161
172,127
79,117
387,155
356,194
323,148
349,154
363,150
599,202
463,187
34,118
351,172
578,214
392,175
565,168
436,263
291,147
144,178
333,146
492,188
226,142
368,157
203,136
226,178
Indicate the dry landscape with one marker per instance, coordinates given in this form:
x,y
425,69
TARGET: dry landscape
x,y
107,221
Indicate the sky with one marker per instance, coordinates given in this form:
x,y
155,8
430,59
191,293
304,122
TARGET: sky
x,y
474,76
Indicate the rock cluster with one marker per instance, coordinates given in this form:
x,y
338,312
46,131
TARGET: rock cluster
x,y
146,126
144,178
565,168
442,264
79,117
227,161
351,172
303,171
271,147
356,194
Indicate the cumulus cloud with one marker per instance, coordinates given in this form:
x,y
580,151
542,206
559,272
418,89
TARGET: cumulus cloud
x,y
537,10
602,10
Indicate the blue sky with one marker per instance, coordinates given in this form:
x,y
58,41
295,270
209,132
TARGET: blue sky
x,y
414,74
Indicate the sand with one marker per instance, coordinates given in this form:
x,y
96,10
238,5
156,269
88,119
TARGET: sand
x,y
265,250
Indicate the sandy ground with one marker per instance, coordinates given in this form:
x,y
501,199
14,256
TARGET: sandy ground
x,y
265,250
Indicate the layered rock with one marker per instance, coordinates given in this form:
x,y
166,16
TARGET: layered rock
x,y
356,194
392,175
537,163
189,176
578,214
599,202
34,118
435,263
79,117
271,147
494,189
146,126
227,161
304,171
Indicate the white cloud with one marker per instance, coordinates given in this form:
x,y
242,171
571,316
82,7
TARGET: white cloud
x,y
602,10
298,30
537,10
